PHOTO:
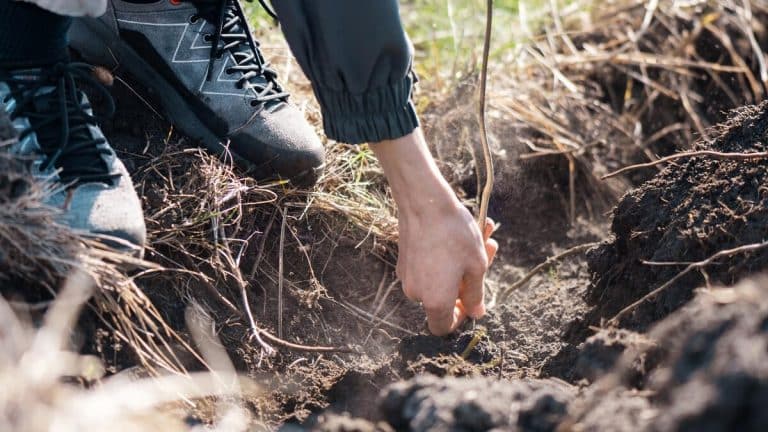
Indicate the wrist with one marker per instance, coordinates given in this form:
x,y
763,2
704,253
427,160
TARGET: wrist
x,y
418,187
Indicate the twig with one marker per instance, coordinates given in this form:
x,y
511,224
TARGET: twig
x,y
257,332
642,58
696,265
551,260
685,100
262,245
281,278
485,196
711,153
370,318
747,28
308,348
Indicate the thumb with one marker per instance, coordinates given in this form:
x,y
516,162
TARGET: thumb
x,y
472,294
491,247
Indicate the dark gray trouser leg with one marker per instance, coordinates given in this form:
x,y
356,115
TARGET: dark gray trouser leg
x,y
358,58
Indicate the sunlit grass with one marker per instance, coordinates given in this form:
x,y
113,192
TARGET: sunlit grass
x,y
447,34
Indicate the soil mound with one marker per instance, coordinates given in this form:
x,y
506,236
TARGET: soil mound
x,y
691,210
715,376
705,369
598,355
712,375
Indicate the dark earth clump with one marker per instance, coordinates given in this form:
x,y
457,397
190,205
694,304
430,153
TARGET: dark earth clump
x,y
598,354
691,210
330,422
713,373
715,376
709,373
449,404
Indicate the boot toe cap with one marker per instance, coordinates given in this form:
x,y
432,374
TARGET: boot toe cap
x,y
281,144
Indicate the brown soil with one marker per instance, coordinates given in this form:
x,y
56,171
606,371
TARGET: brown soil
x,y
700,368
513,341
688,212
539,362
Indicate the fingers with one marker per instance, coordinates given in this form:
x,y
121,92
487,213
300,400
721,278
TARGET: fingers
x,y
490,227
472,293
410,293
443,319
491,247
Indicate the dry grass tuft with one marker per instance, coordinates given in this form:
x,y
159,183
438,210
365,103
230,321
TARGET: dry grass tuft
x,y
603,87
598,88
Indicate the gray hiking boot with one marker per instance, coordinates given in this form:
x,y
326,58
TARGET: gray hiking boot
x,y
58,135
199,61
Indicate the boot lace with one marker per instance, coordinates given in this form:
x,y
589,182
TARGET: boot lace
x,y
50,99
231,29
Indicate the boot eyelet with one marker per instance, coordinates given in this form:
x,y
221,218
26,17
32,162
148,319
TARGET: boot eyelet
x,y
228,71
194,19
255,103
208,37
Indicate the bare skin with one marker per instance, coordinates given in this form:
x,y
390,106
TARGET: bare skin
x,y
443,255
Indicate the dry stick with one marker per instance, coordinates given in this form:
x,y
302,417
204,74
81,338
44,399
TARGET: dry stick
x,y
261,333
257,332
281,278
696,265
688,106
372,319
551,260
711,153
485,196
262,245
747,28
296,347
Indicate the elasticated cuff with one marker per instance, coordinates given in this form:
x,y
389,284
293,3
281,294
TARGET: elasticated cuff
x,y
379,114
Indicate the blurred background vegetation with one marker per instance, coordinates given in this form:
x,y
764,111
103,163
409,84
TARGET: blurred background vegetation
x,y
447,34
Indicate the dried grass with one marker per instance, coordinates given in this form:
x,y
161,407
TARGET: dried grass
x,y
604,87
600,88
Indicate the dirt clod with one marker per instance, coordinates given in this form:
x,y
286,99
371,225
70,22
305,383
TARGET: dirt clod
x,y
598,354
712,373
691,210
431,404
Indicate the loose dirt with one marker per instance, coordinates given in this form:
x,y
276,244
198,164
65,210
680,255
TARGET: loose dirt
x,y
691,210
699,368
546,359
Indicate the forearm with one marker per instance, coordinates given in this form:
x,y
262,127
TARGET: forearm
x,y
417,185
442,256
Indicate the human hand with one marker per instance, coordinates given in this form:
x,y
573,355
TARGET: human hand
x,y
442,264
443,255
